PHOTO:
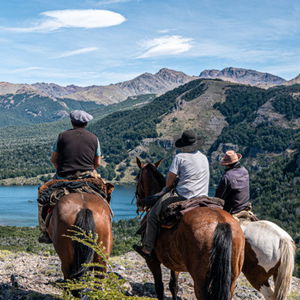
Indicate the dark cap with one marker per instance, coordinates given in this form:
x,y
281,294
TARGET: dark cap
x,y
80,116
188,138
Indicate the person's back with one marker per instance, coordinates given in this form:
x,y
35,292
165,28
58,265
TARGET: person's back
x,y
237,196
192,169
77,149
233,187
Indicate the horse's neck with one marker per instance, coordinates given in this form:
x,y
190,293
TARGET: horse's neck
x,y
153,185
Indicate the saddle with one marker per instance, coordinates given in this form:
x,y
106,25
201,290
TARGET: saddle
x,y
175,209
52,191
245,215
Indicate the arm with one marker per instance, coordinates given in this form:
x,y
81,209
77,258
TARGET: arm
x,y
170,180
222,188
97,162
54,159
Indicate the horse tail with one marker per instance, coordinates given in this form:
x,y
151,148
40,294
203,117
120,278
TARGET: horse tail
x,y
285,270
219,272
82,253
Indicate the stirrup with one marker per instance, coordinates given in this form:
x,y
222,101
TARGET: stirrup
x,y
44,238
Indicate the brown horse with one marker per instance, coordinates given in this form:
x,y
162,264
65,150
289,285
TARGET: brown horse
x,y
207,242
269,252
89,212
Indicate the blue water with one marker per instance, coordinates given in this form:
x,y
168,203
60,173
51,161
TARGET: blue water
x,y
18,205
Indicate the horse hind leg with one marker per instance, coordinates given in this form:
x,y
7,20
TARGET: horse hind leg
x,y
173,284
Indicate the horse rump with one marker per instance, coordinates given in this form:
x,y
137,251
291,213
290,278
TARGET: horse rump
x,y
219,273
82,253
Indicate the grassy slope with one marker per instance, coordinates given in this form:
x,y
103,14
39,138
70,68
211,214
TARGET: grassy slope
x,y
25,238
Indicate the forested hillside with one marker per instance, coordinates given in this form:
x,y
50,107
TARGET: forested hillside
x,y
28,108
26,150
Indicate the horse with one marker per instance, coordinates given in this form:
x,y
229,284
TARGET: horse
x,y
207,242
91,213
269,252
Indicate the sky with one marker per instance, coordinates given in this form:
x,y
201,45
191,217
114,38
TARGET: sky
x,y
98,42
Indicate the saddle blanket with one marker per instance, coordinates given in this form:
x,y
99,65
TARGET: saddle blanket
x,y
52,191
174,211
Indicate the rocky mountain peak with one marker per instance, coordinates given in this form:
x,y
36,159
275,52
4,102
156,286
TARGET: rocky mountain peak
x,y
55,90
244,76
173,76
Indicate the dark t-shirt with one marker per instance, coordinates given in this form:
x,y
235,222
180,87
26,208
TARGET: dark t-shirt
x,y
234,189
77,149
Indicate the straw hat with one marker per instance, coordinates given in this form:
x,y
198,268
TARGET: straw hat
x,y
230,157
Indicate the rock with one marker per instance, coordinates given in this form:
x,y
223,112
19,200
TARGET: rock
x,y
37,275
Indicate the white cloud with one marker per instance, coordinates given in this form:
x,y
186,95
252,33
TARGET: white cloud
x,y
80,18
166,45
164,31
27,69
77,52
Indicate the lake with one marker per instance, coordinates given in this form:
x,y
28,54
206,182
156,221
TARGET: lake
x,y
18,204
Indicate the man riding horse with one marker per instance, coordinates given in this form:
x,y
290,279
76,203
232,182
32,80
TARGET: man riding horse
x,y
76,154
192,170
233,187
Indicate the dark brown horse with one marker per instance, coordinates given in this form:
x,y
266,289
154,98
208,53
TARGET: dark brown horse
x,y
208,243
89,212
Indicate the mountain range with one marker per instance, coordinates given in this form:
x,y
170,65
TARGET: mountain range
x,y
146,83
44,102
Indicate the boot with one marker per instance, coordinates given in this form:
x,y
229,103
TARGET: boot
x,y
44,237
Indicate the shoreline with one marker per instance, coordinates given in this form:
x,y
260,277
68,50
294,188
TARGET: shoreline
x,y
23,181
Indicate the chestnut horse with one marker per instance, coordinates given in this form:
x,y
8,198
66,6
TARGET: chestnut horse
x,y
89,212
207,242
269,252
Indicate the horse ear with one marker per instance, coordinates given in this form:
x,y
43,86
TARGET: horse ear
x,y
157,163
139,163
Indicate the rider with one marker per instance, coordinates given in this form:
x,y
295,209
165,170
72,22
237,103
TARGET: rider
x,y
233,187
76,153
192,170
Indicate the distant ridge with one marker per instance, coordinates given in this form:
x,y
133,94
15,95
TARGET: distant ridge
x,y
295,80
146,83
244,76
55,90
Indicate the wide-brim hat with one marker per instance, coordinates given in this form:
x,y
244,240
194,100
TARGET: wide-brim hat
x,y
80,116
188,138
230,157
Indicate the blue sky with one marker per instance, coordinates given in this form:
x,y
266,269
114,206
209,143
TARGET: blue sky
x,y
106,41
